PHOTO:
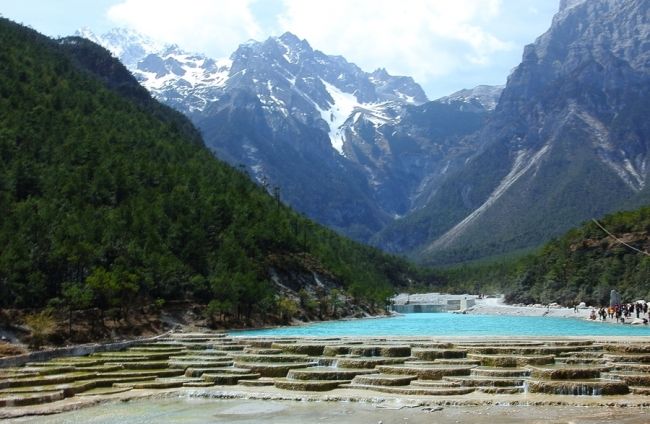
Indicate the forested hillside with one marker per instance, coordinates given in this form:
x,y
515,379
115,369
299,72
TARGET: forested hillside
x,y
584,265
110,200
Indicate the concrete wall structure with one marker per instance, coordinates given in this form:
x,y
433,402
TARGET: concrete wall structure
x,y
431,302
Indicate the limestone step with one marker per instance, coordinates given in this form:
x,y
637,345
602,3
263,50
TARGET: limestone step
x,y
158,349
198,384
486,381
165,372
150,384
632,378
47,370
269,358
511,360
363,361
645,391
139,365
130,356
19,373
182,379
628,348
459,361
414,390
199,364
103,391
434,383
228,348
567,372
311,349
577,387
522,350
123,359
198,372
432,354
230,370
262,381
643,358
383,379
69,389
499,372
432,345
571,360
31,399
308,385
229,379
275,369
262,351
365,350
327,373
46,379
426,372
630,366
201,354
108,382
582,354
500,390
73,362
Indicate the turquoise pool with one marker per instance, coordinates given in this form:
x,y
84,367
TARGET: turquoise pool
x,y
446,324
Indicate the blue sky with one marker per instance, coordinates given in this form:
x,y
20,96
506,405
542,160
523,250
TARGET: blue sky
x,y
446,45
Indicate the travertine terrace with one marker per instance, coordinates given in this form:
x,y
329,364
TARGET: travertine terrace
x,y
514,370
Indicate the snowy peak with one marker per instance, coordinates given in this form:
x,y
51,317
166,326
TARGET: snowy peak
x,y
127,45
486,96
397,88
186,81
293,47
290,79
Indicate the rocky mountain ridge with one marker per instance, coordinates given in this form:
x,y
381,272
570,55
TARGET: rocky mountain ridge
x,y
566,142
361,146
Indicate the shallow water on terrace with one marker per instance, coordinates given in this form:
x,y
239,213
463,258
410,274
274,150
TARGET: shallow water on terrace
x,y
199,411
447,324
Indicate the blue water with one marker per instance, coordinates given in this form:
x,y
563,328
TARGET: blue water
x,y
446,324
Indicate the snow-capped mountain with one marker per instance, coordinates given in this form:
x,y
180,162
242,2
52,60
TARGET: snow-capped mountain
x,y
315,125
482,171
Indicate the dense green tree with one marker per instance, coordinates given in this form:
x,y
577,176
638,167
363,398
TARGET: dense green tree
x,y
109,199
582,266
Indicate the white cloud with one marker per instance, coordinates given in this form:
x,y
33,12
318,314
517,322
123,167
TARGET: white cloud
x,y
422,38
215,27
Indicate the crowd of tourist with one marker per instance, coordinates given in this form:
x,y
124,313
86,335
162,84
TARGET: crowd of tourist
x,y
623,313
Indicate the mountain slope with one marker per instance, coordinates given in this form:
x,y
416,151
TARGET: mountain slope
x,y
111,200
567,141
348,148
586,263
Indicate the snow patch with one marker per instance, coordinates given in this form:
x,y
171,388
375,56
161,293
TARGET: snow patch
x,y
347,108
339,112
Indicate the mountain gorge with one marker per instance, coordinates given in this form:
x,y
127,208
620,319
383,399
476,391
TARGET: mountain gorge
x,y
478,173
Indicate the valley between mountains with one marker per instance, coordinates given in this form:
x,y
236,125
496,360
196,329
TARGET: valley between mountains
x,y
480,173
